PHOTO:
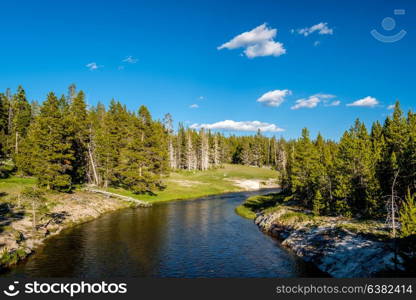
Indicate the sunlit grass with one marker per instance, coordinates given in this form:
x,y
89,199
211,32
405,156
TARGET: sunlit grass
x,y
193,184
12,186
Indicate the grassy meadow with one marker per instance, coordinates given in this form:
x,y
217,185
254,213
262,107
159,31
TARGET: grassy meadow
x,y
179,185
193,184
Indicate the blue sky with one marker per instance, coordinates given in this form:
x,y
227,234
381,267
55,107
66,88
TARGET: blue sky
x,y
310,60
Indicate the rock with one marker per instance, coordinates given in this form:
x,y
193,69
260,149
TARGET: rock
x,y
339,253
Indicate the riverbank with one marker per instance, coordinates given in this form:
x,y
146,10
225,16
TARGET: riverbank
x,y
340,247
18,238
18,235
183,185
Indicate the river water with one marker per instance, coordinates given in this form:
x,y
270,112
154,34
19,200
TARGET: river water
x,y
196,238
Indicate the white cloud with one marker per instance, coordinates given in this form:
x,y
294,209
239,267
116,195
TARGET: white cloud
x,y
240,126
201,98
194,106
391,106
257,42
130,59
314,100
93,66
274,98
321,28
310,102
334,103
325,96
365,102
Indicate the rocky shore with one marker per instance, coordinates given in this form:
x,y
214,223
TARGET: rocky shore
x,y
338,247
19,238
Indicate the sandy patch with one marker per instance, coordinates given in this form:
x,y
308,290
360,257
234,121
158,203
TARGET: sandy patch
x,y
186,183
253,184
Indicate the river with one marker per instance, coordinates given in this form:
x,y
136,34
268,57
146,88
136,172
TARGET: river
x,y
195,238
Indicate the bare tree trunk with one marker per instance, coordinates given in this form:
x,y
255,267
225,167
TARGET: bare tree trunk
x,y
34,214
94,170
204,150
392,203
16,145
216,152
172,158
190,153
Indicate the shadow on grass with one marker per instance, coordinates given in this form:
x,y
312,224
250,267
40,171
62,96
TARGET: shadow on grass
x,y
9,214
55,217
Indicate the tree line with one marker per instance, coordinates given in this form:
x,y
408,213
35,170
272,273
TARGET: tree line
x,y
63,142
368,173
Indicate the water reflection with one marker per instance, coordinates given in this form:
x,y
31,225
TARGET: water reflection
x,y
199,238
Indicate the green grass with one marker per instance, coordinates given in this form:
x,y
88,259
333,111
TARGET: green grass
x,y
193,184
179,185
294,217
258,203
11,258
245,212
368,227
12,186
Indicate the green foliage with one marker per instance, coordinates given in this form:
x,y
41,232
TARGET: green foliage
x,y
245,212
10,258
258,203
48,149
63,143
305,169
294,217
144,159
408,216
318,204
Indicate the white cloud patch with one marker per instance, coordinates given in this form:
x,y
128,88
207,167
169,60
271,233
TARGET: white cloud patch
x,y
310,102
333,103
194,106
365,102
321,28
231,125
93,66
274,98
314,100
257,42
391,106
130,59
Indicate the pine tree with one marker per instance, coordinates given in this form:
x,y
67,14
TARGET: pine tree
x,y
144,159
408,216
110,141
318,204
51,153
305,172
79,130
3,127
396,137
20,120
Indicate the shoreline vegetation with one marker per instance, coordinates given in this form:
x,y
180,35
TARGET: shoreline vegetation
x,y
342,247
368,175
20,237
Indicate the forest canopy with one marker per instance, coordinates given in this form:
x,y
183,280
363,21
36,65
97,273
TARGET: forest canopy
x,y
63,142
